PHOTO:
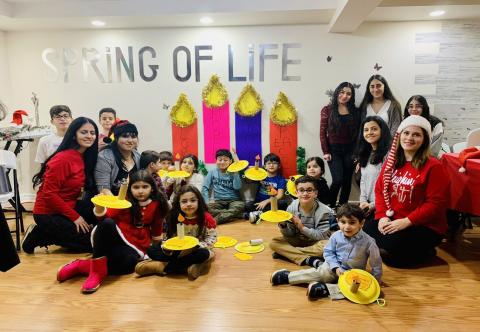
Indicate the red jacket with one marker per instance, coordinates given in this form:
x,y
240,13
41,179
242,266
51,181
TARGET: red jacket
x,y
419,194
62,184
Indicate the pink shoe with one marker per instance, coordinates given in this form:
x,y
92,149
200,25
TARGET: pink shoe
x,y
75,268
98,272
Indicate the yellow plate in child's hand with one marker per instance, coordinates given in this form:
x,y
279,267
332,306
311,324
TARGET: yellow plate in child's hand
x,y
243,257
175,243
237,166
178,174
276,216
162,173
111,202
225,242
291,185
256,174
247,248
368,291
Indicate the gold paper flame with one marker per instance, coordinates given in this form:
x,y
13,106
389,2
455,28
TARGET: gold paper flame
x,y
283,112
183,114
249,102
214,94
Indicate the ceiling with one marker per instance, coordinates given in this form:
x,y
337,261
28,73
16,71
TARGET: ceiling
x,y
342,16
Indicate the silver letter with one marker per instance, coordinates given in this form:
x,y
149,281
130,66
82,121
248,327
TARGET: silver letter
x,y
154,68
175,64
50,65
128,68
69,58
251,63
286,61
263,47
91,62
199,57
230,67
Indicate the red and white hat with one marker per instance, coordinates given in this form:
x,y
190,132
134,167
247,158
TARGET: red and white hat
x,y
465,154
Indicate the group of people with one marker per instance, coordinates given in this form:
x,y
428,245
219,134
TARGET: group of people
x,y
401,210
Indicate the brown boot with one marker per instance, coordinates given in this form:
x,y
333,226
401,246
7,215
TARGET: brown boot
x,y
196,270
149,267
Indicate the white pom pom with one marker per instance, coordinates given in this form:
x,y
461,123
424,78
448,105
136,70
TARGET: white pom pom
x,y
462,169
389,213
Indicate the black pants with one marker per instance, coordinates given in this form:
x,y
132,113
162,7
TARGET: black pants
x,y
408,247
179,261
8,252
341,168
121,258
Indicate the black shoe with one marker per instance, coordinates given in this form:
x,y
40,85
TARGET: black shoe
x,y
276,256
30,239
279,277
317,290
314,261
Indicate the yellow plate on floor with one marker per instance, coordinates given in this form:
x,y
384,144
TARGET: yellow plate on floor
x,y
162,173
178,174
111,202
368,291
292,191
247,248
225,242
276,216
256,174
243,257
237,166
175,243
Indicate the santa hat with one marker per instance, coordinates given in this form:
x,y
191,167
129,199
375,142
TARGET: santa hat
x,y
119,128
17,117
412,120
465,154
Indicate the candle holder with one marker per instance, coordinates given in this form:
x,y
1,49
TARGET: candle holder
x,y
237,164
114,202
359,286
275,215
181,241
256,173
177,173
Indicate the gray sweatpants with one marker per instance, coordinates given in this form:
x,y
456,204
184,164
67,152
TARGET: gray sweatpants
x,y
322,274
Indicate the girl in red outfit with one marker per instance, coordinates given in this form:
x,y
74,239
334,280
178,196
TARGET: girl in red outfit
x,y
62,216
411,197
121,239
198,223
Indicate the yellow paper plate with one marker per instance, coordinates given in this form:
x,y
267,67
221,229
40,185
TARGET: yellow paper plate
x,y
175,243
162,173
368,291
276,216
111,202
178,174
225,242
237,166
256,174
291,185
246,248
243,257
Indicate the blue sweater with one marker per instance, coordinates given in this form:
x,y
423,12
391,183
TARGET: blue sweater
x,y
226,186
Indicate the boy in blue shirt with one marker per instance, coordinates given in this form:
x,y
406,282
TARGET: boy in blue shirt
x,y
226,204
348,248
272,164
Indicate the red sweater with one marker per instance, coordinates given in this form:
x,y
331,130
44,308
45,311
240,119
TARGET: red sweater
x,y
419,194
62,184
345,134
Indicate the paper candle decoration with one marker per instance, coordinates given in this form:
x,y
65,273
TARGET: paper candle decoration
x,y
177,162
257,161
216,123
248,124
180,226
184,127
272,192
122,193
283,133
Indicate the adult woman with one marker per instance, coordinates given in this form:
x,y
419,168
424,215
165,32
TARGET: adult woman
x,y
372,147
338,130
379,100
417,105
64,178
411,198
119,159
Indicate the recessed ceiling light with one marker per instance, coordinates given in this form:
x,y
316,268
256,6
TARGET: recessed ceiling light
x,y
98,23
437,13
206,20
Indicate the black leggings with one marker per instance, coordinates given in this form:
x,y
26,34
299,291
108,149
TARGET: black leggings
x,y
408,247
121,258
341,168
178,261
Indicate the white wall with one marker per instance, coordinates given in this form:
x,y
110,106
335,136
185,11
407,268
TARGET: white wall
x,y
391,45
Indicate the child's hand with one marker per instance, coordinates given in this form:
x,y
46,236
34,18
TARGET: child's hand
x,y
339,271
297,222
260,206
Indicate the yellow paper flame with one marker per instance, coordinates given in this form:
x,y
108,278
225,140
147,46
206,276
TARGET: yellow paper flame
x,y
214,94
249,102
183,114
283,112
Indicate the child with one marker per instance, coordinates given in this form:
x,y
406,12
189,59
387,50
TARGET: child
x,y
60,117
304,237
166,160
150,161
348,248
123,237
189,164
316,169
198,223
106,117
272,164
226,204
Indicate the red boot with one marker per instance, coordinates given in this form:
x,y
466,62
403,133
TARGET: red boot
x,y
75,268
98,272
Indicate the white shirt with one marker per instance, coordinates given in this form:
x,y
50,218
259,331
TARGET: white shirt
x,y
383,113
47,146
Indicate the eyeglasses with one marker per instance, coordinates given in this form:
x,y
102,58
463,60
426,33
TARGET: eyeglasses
x,y
65,116
303,191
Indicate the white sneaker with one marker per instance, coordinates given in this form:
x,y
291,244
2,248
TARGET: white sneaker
x,y
253,216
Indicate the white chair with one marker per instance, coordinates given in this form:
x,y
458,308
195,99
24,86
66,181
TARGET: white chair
x,y
473,138
458,147
8,162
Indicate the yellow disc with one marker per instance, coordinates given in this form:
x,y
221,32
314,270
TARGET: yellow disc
x,y
256,174
111,202
243,257
368,291
291,185
276,216
162,173
178,174
237,166
175,243
247,248
225,242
